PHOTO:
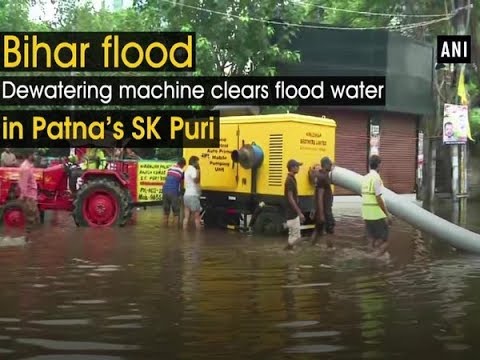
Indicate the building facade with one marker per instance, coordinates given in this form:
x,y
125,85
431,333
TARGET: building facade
x,y
393,130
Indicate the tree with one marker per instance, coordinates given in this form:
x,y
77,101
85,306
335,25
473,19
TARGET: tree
x,y
233,37
475,123
225,46
14,16
433,25
426,29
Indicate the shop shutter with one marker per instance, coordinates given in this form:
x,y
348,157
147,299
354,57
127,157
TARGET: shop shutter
x,y
351,140
398,150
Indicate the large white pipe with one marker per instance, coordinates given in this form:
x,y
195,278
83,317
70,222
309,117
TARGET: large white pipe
x,y
413,214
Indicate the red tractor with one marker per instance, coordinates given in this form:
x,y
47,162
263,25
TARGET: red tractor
x,y
105,198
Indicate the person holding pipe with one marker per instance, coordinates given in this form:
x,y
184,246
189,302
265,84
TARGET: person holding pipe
x,y
374,211
323,202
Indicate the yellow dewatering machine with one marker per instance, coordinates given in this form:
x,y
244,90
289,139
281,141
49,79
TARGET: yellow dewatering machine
x,y
242,181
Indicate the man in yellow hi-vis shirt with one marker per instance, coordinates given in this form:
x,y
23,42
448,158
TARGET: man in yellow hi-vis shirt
x,y
374,211
94,159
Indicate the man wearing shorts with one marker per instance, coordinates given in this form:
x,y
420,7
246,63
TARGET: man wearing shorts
x,y
374,211
172,191
191,197
293,212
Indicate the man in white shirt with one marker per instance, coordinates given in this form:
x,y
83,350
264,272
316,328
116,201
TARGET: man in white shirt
x,y
8,158
191,197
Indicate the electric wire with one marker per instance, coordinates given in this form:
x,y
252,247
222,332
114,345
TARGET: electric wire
x,y
368,13
446,17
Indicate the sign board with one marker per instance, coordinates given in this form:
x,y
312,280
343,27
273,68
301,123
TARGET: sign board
x,y
420,156
150,178
455,124
374,139
374,130
375,145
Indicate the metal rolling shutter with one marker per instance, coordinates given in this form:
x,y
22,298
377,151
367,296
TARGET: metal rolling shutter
x,y
351,143
351,150
398,150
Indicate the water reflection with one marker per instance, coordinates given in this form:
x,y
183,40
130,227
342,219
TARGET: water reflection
x,y
145,292
462,213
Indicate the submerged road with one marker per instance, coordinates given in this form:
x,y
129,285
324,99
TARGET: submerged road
x,y
146,292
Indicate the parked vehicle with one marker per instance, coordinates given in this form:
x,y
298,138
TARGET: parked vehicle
x,y
105,197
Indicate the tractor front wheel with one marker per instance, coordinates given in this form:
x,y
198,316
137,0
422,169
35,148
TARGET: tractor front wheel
x,y
13,215
101,203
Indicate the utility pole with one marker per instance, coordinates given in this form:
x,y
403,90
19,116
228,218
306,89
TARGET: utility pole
x,y
457,29
459,152
463,148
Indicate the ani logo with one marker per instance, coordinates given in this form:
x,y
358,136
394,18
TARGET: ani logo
x,y
454,49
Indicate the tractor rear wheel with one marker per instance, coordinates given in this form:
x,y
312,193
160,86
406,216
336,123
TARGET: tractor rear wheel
x,y
129,212
12,215
101,203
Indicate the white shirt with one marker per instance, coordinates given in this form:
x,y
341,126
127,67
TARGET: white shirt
x,y
191,187
377,184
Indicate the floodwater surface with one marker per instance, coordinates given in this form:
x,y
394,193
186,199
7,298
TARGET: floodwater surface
x,y
146,292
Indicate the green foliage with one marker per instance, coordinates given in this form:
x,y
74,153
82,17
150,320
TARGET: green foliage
x,y
230,45
240,43
14,15
396,21
225,45
475,123
425,33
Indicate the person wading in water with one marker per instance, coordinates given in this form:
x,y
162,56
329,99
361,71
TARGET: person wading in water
x,y
172,189
191,197
28,193
374,211
294,215
323,215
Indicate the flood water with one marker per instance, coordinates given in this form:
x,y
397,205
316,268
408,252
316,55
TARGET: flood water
x,y
145,292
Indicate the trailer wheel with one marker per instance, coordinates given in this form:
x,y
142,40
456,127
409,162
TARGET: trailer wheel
x,y
12,215
101,203
269,222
